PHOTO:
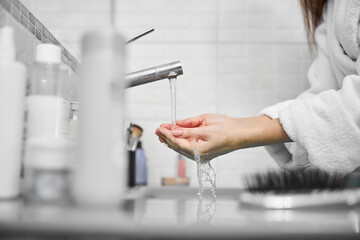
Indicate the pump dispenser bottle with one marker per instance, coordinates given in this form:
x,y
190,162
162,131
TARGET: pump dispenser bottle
x,y
12,96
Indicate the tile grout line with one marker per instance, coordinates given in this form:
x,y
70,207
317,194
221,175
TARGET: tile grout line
x,y
23,16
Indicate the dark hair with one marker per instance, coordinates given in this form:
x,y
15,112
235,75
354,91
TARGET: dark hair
x,y
312,11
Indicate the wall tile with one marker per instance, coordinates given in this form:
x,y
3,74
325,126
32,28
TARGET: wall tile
x,y
236,20
166,20
75,20
24,42
243,109
67,6
179,34
161,6
246,159
238,65
169,50
3,19
258,6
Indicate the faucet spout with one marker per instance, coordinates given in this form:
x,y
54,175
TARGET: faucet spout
x,y
170,70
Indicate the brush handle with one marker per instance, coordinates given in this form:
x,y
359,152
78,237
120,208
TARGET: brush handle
x,y
140,35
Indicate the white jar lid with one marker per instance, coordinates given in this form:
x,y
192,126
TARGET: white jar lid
x,y
7,43
48,53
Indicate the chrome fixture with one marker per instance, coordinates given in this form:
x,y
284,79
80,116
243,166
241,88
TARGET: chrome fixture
x,y
170,70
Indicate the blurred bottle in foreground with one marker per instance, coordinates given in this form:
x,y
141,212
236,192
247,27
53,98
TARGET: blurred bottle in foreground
x,y
100,173
12,96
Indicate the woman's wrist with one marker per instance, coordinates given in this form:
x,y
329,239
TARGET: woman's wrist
x,y
273,131
259,131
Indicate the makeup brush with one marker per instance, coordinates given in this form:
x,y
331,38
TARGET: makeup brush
x,y
295,181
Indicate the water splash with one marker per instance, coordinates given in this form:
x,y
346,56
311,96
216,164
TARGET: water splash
x,y
205,173
173,101
206,209
207,204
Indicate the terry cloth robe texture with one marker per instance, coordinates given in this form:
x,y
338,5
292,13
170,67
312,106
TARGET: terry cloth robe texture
x,y
324,121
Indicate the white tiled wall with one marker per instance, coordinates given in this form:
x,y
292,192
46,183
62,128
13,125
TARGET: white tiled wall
x,y
25,42
238,56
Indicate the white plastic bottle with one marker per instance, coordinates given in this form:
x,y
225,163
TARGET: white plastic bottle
x,y
48,152
12,96
100,177
48,109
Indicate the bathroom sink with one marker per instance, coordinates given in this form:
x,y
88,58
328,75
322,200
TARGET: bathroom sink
x,y
168,212
172,209
188,193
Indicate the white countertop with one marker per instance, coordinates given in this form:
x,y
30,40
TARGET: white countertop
x,y
169,212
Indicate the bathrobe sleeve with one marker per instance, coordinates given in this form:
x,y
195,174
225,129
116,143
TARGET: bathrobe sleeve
x,y
324,121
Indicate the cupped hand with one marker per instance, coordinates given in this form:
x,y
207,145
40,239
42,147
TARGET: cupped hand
x,y
215,134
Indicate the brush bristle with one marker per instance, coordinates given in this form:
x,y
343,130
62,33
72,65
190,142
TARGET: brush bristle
x,y
293,181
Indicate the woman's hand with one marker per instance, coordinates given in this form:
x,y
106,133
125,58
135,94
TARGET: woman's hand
x,y
216,134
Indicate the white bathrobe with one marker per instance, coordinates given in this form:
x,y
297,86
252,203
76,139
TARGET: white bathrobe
x,y
324,121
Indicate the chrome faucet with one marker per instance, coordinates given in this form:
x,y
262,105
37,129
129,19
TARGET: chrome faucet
x,y
166,71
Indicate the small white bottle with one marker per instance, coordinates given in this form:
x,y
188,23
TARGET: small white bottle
x,y
12,96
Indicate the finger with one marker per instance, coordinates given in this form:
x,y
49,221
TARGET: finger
x,y
161,140
190,133
164,141
178,132
175,143
166,125
185,145
185,152
191,122
157,131
166,134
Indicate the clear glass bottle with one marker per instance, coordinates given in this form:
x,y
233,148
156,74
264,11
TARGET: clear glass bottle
x,y
47,102
48,151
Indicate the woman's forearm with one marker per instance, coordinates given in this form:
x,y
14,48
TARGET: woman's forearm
x,y
261,130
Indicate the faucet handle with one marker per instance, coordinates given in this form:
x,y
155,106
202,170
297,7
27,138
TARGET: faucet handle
x,y
140,35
